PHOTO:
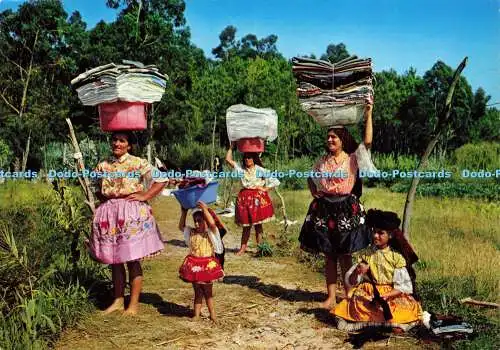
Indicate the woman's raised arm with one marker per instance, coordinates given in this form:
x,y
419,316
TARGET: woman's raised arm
x,y
368,124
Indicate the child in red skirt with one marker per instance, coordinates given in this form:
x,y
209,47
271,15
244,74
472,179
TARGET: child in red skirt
x,y
201,267
253,206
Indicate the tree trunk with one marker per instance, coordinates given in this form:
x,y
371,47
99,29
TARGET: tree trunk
x,y
443,119
212,156
25,90
26,153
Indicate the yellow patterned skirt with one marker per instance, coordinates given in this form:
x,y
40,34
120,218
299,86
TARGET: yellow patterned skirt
x,y
358,312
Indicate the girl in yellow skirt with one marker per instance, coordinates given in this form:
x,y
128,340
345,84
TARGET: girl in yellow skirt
x,y
380,286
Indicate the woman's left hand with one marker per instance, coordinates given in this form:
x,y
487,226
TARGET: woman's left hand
x,y
368,105
138,196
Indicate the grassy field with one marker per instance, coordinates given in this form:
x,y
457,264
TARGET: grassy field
x,y
458,243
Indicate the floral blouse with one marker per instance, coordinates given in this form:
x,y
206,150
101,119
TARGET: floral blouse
x,y
387,267
345,171
250,179
203,244
125,175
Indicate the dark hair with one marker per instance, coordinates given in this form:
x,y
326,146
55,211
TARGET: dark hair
x,y
349,145
131,138
254,156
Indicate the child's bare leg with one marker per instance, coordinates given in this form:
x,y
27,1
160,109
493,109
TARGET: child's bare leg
x,y
198,300
118,275
258,233
208,293
135,279
244,240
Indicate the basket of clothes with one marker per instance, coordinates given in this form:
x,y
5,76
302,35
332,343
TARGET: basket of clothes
x,y
122,115
189,196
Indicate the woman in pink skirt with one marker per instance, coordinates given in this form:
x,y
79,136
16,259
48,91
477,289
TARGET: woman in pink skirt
x,y
253,206
124,229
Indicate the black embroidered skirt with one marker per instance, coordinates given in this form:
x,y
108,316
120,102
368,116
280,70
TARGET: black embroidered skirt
x,y
335,225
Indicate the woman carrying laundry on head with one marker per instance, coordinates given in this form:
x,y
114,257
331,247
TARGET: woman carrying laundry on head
x,y
335,221
253,206
124,230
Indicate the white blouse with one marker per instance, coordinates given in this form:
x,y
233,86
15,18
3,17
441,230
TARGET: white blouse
x,y
251,180
401,279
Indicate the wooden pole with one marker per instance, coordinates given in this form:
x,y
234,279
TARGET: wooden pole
x,y
213,144
81,166
443,119
150,135
479,303
285,218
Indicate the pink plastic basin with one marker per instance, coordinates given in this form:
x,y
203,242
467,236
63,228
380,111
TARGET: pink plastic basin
x,y
248,145
122,115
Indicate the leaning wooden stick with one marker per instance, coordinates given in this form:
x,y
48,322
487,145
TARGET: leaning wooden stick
x,y
479,303
443,119
283,208
81,166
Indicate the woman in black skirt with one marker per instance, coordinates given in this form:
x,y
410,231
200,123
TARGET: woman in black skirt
x,y
335,222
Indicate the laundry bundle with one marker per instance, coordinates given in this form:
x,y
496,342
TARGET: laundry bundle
x,y
251,126
334,93
130,81
122,93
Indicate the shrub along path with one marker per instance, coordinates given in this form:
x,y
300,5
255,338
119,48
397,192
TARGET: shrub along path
x,y
263,303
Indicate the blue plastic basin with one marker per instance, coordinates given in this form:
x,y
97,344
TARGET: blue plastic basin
x,y
188,197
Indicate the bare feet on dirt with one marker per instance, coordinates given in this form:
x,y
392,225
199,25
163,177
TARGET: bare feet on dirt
x,y
118,305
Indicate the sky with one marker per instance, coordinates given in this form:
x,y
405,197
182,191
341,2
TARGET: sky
x,y
396,34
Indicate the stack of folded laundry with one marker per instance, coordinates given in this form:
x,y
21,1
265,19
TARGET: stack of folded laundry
x,y
251,127
334,94
130,81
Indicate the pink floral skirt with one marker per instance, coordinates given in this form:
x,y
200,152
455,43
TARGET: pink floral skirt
x,y
123,231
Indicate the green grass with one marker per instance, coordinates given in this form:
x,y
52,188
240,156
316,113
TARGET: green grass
x,y
457,241
44,286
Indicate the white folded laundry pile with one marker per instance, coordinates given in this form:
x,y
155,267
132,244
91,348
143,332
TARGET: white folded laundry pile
x,y
248,122
130,81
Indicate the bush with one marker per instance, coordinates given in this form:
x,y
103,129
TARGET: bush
x,y
484,190
191,156
59,155
5,154
265,249
303,164
484,155
45,285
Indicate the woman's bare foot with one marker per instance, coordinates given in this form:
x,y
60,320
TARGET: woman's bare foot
x,y
118,305
213,319
195,318
328,304
240,252
132,310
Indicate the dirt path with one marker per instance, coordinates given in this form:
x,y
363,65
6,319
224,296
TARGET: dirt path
x,y
263,303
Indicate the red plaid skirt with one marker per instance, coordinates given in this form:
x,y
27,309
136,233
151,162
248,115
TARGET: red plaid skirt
x,y
253,207
200,270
